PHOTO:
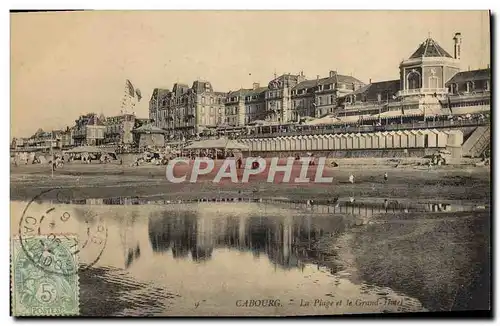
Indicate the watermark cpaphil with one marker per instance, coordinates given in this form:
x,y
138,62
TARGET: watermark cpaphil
x,y
289,170
46,219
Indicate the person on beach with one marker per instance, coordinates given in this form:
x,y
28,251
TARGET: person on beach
x,y
351,178
239,162
386,177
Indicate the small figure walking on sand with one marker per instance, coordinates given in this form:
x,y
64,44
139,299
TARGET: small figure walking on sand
x,y
351,178
386,177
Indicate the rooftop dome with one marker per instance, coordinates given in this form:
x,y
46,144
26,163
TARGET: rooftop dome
x,y
430,48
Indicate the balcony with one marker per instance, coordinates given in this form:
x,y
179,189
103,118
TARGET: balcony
x,y
423,91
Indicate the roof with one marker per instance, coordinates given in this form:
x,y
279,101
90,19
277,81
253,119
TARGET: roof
x,y
256,91
149,129
239,92
371,90
327,81
201,86
217,143
464,76
430,48
247,91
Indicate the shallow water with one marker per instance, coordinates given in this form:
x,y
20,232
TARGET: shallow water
x,y
229,258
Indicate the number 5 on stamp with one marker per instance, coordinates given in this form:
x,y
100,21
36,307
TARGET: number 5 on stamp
x,y
44,277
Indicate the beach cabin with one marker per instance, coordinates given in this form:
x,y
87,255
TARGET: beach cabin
x,y
301,143
368,140
442,138
349,141
420,140
362,141
412,138
262,144
355,140
330,141
337,142
343,142
285,143
432,136
323,142
382,140
396,139
316,143
309,142
403,138
389,139
375,140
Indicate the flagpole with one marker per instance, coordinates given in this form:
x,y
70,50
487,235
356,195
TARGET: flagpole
x,y
52,153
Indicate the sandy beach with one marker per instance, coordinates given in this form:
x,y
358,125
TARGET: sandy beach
x,y
408,179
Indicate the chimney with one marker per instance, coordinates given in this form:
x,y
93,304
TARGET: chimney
x,y
332,73
256,85
370,81
488,66
458,43
317,77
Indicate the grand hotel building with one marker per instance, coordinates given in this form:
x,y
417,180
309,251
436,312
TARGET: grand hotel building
x,y
430,82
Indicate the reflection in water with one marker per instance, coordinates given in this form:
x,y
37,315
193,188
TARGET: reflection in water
x,y
286,241
222,252
359,206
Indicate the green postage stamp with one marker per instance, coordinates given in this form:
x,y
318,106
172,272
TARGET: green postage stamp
x,y
44,278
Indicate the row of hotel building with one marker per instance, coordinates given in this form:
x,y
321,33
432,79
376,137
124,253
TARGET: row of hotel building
x,y
430,78
89,129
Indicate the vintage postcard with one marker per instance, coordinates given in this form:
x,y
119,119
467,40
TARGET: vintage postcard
x,y
250,163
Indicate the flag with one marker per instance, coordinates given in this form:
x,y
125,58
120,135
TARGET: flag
x,y
139,94
402,110
130,88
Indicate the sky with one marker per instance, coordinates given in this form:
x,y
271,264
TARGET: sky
x,y
70,63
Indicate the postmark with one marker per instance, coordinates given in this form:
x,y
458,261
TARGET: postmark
x,y
43,292
48,218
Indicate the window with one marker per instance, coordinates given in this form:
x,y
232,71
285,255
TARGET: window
x,y
319,101
487,85
379,97
203,100
470,86
413,80
320,88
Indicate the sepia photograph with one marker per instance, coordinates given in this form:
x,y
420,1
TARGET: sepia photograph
x,y
250,163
